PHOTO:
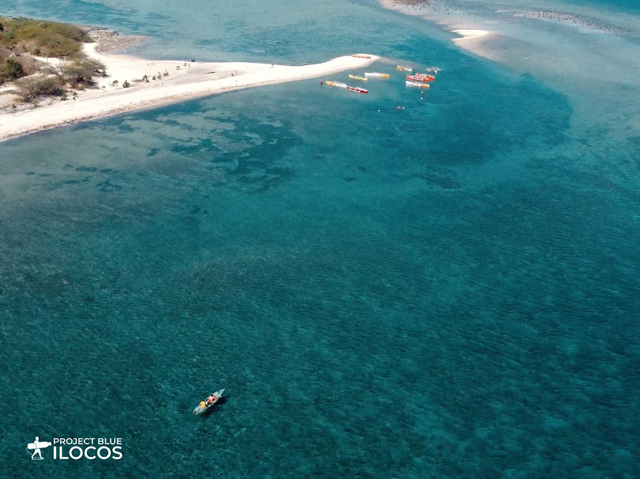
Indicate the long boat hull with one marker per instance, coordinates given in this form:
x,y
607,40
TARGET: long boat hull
x,y
404,69
356,77
421,77
377,75
335,84
417,84
216,397
355,89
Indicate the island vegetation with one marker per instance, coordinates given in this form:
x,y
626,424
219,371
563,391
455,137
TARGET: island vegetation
x,y
23,44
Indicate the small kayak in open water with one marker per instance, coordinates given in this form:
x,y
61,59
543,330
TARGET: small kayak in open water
x,y
404,69
356,77
200,409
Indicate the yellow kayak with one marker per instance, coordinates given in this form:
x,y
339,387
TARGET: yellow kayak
x,y
330,83
356,77
404,69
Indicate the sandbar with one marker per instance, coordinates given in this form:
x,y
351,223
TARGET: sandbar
x,y
175,81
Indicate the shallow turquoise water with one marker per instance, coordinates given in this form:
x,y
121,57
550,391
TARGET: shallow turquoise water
x,y
445,291
625,5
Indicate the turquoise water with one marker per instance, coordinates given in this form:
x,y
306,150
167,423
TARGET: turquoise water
x,y
626,5
445,291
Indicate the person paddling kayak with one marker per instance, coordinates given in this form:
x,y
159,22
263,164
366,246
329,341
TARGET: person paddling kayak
x,y
208,402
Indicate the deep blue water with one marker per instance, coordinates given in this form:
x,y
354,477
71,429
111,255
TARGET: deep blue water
x,y
445,291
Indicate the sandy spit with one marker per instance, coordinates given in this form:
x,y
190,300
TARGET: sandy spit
x,y
175,81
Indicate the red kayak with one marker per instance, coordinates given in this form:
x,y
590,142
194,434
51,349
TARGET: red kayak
x,y
421,77
357,89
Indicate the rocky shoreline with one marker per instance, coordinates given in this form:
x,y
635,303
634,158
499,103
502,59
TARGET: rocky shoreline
x,y
110,40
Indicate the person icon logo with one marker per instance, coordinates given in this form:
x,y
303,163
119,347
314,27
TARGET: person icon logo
x,y
35,446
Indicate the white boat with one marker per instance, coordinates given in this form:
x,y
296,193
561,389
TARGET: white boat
x,y
376,75
336,84
208,404
417,84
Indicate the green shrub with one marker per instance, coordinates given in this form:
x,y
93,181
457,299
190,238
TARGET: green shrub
x,y
10,70
5,53
31,88
81,71
29,65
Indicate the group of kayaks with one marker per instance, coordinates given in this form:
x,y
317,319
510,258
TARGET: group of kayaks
x,y
419,80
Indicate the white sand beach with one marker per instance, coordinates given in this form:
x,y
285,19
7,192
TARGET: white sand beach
x,y
184,80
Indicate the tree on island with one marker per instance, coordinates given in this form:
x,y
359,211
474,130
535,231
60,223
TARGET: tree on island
x,y
30,88
115,83
77,73
126,84
81,72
